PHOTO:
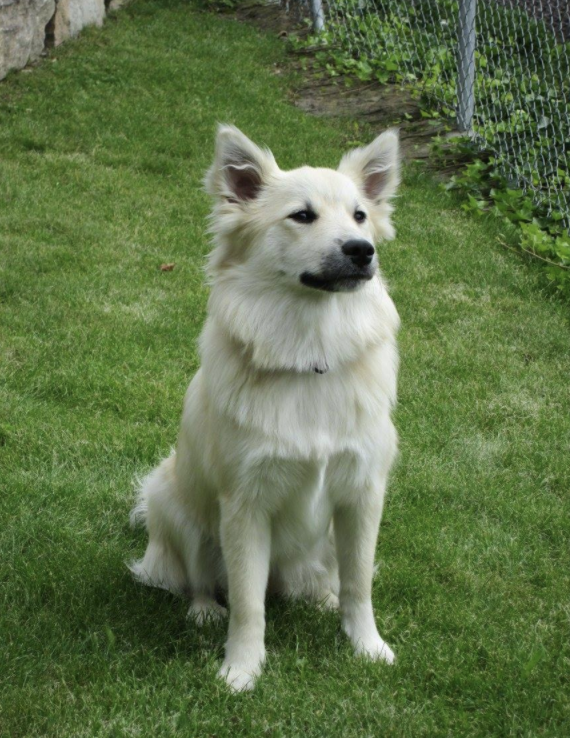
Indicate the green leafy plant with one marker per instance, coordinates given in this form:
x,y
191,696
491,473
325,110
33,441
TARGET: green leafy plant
x,y
540,233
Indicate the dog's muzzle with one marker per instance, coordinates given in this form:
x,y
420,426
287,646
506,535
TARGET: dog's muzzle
x,y
345,271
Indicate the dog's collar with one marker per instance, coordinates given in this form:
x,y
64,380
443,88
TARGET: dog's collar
x,y
315,369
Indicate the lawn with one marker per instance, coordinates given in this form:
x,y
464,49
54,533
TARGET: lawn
x,y
102,151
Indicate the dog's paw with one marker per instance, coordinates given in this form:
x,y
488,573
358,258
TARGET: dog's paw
x,y
358,624
329,601
239,678
205,609
243,663
375,649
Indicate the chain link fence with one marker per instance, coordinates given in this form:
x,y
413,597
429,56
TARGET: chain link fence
x,y
501,68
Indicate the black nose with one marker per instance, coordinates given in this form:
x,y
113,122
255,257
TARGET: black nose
x,y
360,252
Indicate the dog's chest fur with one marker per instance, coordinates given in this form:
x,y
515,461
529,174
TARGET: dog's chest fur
x,y
259,357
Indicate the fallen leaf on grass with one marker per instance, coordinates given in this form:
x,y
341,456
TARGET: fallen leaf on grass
x,y
166,267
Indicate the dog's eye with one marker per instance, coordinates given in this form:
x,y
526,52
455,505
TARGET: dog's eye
x,y
303,216
359,216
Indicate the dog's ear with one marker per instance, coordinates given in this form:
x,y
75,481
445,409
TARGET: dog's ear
x,y
375,168
240,168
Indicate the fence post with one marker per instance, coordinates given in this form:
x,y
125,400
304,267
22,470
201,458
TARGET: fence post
x,y
466,64
317,15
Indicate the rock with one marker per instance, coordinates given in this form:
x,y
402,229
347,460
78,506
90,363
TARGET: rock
x,y
73,15
22,31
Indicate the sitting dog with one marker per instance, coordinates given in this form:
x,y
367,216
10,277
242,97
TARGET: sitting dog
x,y
286,440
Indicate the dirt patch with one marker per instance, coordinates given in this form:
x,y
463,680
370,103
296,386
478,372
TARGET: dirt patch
x,y
380,106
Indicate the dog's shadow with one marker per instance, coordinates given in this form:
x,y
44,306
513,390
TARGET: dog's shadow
x,y
128,616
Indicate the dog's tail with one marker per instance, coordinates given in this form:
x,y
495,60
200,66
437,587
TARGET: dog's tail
x,y
161,565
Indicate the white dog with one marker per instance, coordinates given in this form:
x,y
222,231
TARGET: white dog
x,y
286,440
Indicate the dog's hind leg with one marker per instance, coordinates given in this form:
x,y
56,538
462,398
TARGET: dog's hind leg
x,y
179,557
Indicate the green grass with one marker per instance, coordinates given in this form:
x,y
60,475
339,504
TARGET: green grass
x,y
102,150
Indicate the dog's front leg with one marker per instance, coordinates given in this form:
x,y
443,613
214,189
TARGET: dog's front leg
x,y
356,529
246,545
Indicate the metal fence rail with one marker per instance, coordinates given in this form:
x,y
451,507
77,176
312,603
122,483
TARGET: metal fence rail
x,y
500,67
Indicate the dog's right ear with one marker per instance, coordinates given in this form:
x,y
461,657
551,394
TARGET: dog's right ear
x,y
240,168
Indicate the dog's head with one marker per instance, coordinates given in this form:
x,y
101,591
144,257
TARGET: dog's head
x,y
308,228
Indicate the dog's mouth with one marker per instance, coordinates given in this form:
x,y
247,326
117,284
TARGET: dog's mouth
x,y
336,282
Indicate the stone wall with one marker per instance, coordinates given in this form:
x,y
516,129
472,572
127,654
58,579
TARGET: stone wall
x,y
27,27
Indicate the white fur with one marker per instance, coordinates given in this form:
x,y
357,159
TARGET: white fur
x,y
279,472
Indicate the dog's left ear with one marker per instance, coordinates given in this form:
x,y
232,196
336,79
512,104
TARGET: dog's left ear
x,y
375,168
240,168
